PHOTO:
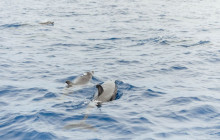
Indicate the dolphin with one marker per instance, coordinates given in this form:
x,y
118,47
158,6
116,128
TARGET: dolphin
x,y
47,23
106,92
81,80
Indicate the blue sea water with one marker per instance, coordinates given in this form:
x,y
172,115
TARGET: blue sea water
x,y
163,54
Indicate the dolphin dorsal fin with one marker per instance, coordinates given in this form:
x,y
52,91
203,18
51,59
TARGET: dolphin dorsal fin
x,y
100,89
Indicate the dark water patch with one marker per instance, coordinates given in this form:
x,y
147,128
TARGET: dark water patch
x,y
45,113
13,25
27,135
46,96
173,133
214,60
29,62
3,103
99,47
214,89
154,40
85,92
195,44
23,118
37,89
51,56
164,42
151,93
161,15
74,118
9,91
114,127
183,100
141,129
40,91
173,68
12,119
45,30
34,135
205,112
71,106
48,116
119,94
5,65
63,44
174,116
124,86
126,62
50,95
180,133
144,55
140,120
211,130
6,122
178,68
215,133
111,39
102,118
163,135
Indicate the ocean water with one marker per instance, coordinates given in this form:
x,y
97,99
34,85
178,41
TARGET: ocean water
x,y
163,54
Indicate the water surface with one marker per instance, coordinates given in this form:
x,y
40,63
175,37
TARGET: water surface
x,y
164,55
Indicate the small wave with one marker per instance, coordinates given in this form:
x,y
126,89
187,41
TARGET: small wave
x,y
183,100
113,38
9,91
13,25
73,118
45,113
71,106
28,135
22,118
174,116
163,135
63,44
195,44
152,93
5,65
46,96
124,86
125,62
178,68
103,118
140,120
206,112
154,40
3,103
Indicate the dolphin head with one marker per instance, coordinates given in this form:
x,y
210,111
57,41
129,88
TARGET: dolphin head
x,y
69,83
89,73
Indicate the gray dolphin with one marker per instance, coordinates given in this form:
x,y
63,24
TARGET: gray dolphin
x,y
81,80
47,23
106,92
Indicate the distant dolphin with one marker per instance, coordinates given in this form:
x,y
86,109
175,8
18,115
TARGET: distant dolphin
x,y
81,80
106,92
47,23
